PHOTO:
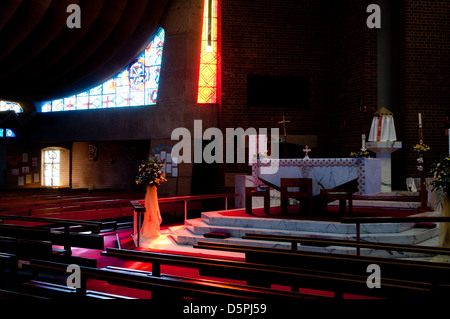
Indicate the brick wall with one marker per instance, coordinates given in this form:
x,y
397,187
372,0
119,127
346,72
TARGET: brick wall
x,y
115,168
424,79
273,38
352,75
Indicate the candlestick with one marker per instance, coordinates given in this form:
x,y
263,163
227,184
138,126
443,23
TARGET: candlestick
x,y
420,129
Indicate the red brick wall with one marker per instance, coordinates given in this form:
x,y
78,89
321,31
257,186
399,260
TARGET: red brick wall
x,y
352,75
424,79
116,172
273,38
330,42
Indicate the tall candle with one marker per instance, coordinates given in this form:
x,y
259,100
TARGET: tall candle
x,y
363,137
420,129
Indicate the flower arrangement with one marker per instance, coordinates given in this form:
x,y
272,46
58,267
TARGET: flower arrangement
x,y
421,148
260,155
441,176
360,154
150,172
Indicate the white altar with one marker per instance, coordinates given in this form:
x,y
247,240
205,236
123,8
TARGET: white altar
x,y
326,173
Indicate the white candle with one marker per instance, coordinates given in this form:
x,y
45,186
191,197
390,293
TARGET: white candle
x,y
420,119
363,137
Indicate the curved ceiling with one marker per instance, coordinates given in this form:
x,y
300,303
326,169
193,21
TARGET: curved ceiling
x,y
41,58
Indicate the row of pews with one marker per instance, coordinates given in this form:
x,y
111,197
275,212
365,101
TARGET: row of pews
x,y
262,269
35,258
33,268
89,204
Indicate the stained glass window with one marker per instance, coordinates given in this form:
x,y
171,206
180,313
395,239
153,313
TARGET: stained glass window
x,y
7,133
10,106
207,82
136,85
51,167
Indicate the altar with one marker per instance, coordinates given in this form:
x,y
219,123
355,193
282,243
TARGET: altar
x,y
326,173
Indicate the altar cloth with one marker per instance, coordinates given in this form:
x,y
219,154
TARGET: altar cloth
x,y
326,173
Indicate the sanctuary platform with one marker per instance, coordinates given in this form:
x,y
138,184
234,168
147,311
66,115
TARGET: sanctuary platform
x,y
236,223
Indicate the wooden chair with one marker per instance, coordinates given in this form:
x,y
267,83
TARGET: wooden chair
x,y
253,192
304,195
342,195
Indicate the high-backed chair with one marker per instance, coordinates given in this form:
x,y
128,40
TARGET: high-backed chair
x,y
304,193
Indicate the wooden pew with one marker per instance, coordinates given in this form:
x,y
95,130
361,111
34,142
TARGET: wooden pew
x,y
8,262
27,248
325,242
162,286
434,275
94,226
44,236
264,275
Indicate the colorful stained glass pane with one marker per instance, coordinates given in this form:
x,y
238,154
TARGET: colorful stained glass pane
x,y
137,99
82,102
51,167
10,106
207,82
95,101
47,107
69,103
10,133
132,87
109,100
57,105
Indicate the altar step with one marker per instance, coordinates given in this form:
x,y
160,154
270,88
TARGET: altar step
x,y
401,200
381,204
399,233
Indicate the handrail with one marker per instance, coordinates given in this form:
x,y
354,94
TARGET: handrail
x,y
332,242
52,220
272,273
420,219
139,208
189,286
365,220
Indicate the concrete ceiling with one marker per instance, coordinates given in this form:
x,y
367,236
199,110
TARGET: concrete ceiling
x,y
42,58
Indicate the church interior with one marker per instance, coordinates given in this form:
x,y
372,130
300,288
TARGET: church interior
x,y
344,165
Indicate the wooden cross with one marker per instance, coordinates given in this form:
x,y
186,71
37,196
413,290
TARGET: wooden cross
x,y
284,125
306,150
284,130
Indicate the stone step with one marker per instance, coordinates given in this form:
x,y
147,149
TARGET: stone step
x,y
381,204
183,236
217,219
410,236
237,226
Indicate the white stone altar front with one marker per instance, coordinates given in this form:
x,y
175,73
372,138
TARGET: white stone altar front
x,y
326,173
